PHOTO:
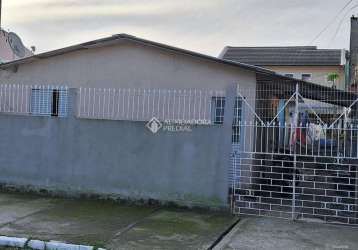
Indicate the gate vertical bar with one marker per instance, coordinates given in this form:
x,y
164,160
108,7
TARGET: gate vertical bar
x,y
296,124
233,151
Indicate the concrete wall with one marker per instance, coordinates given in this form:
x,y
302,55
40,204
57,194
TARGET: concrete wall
x,y
122,157
319,73
118,158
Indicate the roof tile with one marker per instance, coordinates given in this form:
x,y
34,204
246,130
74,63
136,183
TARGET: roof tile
x,y
290,56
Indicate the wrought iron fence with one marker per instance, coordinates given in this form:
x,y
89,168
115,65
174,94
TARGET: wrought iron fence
x,y
297,152
309,139
189,105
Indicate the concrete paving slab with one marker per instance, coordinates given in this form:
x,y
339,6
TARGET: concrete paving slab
x,y
108,224
174,229
14,207
78,221
253,233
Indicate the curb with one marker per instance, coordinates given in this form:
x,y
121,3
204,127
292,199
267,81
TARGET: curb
x,y
226,239
41,245
12,242
224,234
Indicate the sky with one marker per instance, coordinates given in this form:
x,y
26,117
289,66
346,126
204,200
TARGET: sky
x,y
205,26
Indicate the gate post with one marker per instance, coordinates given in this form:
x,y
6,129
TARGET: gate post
x,y
226,140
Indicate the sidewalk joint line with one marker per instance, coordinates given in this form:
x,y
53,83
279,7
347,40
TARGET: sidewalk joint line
x,y
132,225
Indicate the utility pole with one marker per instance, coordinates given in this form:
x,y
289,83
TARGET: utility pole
x,y
0,12
353,51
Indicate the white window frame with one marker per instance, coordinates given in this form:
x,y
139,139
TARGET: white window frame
x,y
310,76
42,102
286,74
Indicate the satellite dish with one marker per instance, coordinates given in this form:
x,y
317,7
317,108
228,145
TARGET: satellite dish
x,y
16,45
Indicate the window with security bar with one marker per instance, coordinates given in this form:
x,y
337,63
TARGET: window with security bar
x,y
218,109
218,115
49,102
236,127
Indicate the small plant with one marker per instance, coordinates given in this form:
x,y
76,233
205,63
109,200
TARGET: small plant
x,y
333,77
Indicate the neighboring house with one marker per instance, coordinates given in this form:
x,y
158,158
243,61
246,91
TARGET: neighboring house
x,y
302,62
11,47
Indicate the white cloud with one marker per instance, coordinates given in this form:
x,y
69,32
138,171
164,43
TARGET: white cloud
x,y
203,25
42,10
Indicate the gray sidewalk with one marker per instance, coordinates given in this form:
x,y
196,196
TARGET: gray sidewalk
x,y
254,233
108,224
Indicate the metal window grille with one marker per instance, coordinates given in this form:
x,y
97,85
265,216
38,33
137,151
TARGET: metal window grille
x,y
219,110
236,128
49,101
37,100
14,98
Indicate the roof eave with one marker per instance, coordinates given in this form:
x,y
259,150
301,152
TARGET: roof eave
x,y
121,37
300,65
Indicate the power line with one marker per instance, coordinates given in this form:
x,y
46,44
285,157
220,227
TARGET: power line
x,y
331,22
299,52
341,22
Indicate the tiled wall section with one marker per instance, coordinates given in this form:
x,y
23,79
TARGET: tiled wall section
x,y
324,188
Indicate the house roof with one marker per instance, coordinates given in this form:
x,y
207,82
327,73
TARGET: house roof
x,y
283,56
116,39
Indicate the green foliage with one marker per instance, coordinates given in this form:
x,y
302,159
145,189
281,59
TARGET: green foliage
x,y
332,77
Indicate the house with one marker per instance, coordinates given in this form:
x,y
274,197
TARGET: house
x,y
103,117
128,118
11,47
301,62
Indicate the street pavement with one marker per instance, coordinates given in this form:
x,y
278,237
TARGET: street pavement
x,y
108,224
260,233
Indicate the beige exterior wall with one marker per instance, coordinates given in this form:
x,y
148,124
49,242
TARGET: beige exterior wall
x,y
319,73
131,65
134,66
128,65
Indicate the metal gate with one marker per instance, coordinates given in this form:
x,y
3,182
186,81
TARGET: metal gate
x,y
295,153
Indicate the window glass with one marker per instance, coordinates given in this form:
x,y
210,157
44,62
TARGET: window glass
x,y
49,102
